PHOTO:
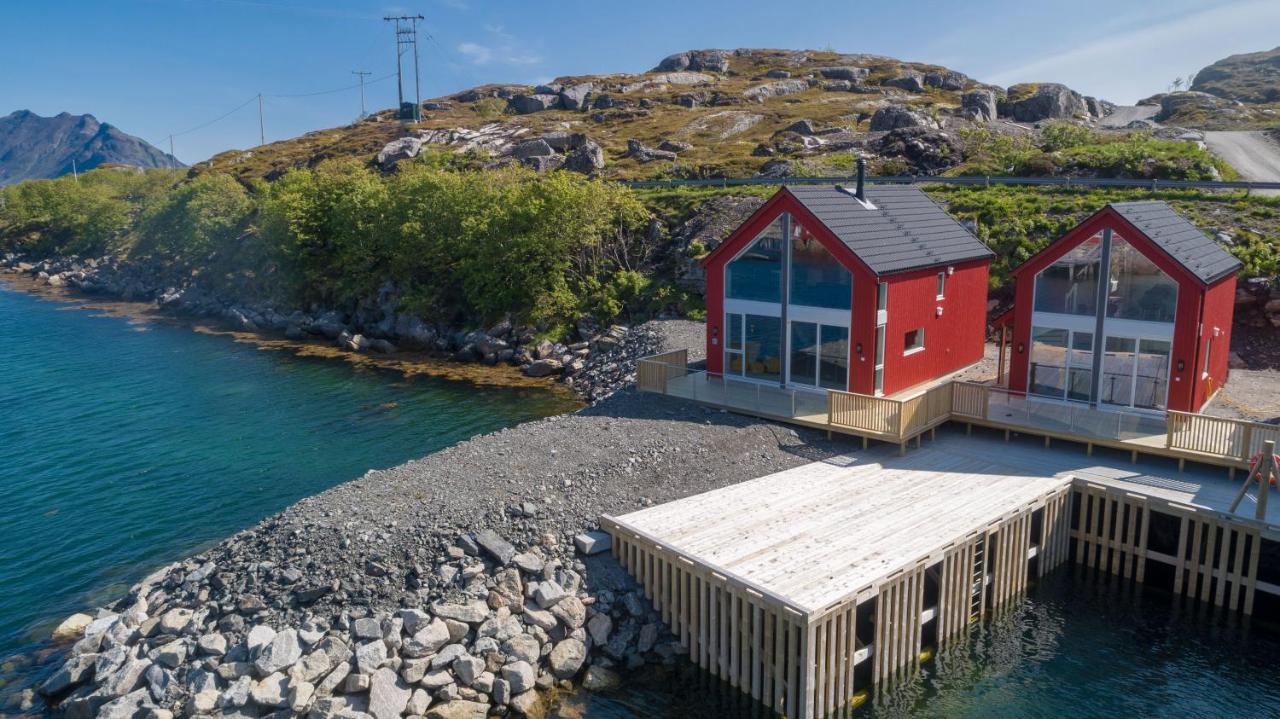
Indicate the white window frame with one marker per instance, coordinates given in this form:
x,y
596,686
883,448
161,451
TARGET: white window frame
x,y
908,351
942,285
848,357
1208,353
879,351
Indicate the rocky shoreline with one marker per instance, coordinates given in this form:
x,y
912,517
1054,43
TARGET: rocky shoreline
x,y
593,365
469,583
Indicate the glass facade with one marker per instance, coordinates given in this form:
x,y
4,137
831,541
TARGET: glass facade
x,y
817,278
1138,289
1137,321
815,347
756,274
1070,285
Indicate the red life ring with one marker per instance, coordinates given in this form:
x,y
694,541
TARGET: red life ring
x,y
1275,463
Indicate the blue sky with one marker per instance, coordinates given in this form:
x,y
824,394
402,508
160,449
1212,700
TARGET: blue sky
x,y
155,67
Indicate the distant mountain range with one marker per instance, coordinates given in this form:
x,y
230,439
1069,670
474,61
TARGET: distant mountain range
x,y
35,147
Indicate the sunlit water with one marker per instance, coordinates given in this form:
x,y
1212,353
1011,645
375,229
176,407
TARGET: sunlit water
x,y
1077,647
127,445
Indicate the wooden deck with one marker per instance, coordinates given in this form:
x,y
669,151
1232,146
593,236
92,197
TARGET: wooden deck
x,y
806,586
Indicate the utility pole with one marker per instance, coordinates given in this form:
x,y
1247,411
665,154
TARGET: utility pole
x,y
74,173
362,75
173,161
406,27
262,131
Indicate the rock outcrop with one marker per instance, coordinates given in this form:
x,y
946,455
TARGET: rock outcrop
x,y
1045,101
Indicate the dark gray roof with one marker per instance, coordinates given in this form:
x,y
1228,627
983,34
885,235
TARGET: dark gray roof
x,y
1184,242
905,231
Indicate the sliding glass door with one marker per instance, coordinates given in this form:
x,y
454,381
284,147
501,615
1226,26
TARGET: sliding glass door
x,y
1135,372
754,346
819,355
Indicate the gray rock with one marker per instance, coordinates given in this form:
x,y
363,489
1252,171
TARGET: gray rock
x,y
427,640
496,546
599,678
388,695
539,617
648,638
979,105
125,707
586,159
281,653
312,667
526,704
778,74
599,628
528,562
527,104
574,97
590,543
949,80
893,117
75,671
175,621
537,147
125,679
848,73
542,367
236,695
470,613
367,628
522,647
172,654
519,675
259,637
300,696
776,89
436,679
910,81
370,656
459,709
214,644
447,656
272,691
1043,101
405,148
567,658
467,668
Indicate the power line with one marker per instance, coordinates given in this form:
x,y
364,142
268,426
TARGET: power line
x,y
362,74
337,89
406,36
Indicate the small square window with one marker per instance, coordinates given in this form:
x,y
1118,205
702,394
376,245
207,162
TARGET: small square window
x,y
913,342
942,285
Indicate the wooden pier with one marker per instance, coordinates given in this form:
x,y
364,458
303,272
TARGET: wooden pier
x,y
806,587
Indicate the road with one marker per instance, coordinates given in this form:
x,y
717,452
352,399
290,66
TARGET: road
x,y
1254,156
1125,114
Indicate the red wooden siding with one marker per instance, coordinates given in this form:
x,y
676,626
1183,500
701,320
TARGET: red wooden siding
x,y
952,341
1187,392
1219,309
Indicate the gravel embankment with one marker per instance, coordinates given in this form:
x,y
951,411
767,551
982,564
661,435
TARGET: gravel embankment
x,y
445,587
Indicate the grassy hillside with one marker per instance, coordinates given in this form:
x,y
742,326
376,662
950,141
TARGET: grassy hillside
x,y
744,114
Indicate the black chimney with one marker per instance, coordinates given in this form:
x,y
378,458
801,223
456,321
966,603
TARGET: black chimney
x,y
861,193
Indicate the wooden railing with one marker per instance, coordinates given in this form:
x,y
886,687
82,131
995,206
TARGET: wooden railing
x,y
653,373
897,419
1235,438
1226,441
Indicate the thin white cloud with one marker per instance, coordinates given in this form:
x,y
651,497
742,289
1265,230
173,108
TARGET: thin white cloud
x,y
1142,60
478,54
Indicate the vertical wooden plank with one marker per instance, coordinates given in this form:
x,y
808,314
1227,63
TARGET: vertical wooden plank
x,y
766,657
806,672
1219,594
851,648
820,672
1237,569
1104,533
779,662
1251,580
1193,568
735,639
1206,561
756,638
704,614
1141,573
1182,548
795,656
713,630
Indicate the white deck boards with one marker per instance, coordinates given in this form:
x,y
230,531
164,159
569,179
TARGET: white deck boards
x,y
814,534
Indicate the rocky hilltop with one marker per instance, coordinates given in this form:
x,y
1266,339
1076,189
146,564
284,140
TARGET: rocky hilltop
x,y
1250,77
35,147
702,113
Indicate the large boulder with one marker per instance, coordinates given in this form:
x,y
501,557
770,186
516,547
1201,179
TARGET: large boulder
x,y
979,105
949,80
848,73
405,148
574,97
586,158
776,89
537,102
705,60
894,117
537,147
928,151
910,81
643,153
1045,101
1175,102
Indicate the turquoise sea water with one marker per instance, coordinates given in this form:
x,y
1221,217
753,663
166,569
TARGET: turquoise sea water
x,y
125,445
1078,647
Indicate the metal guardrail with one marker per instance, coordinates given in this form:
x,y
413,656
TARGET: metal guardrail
x,y
982,181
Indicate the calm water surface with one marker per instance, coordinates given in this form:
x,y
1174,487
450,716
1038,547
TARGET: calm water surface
x,y
1077,647
126,445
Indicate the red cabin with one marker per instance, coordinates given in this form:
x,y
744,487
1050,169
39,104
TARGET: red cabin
x,y
1130,310
826,287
